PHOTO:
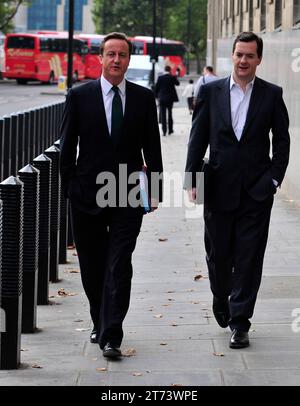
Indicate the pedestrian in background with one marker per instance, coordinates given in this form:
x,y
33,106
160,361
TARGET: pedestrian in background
x,y
112,121
208,76
188,92
166,94
234,117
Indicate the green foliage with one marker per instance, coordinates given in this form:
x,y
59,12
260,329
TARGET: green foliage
x,y
8,9
135,17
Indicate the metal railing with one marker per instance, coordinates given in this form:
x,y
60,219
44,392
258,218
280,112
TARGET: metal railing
x,y
33,222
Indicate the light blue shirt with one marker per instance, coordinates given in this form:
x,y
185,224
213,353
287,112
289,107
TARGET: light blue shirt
x,y
108,95
239,102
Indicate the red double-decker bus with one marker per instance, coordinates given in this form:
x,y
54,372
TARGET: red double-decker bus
x,y
172,51
42,57
93,67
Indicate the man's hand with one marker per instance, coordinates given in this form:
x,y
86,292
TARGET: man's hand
x,y
154,204
192,195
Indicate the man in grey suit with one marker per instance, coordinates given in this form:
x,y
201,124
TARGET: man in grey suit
x,y
234,117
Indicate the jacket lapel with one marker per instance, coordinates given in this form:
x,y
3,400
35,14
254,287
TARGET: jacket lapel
x,y
129,105
224,104
255,103
99,106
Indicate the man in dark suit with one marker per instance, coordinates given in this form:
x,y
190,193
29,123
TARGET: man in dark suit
x,y
234,116
166,94
113,124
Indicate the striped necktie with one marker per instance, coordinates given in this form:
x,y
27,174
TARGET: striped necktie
x,y
116,116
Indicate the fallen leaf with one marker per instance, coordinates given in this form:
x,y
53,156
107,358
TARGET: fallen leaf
x,y
82,329
163,239
158,316
36,366
176,384
218,354
130,352
191,290
198,277
24,349
137,374
195,302
71,247
72,270
63,292
170,291
174,324
166,305
78,321
101,369
163,343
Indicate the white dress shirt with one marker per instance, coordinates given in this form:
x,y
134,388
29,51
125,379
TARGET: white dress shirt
x,y
108,95
239,102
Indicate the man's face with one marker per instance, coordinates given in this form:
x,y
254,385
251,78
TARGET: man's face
x,y
115,60
245,61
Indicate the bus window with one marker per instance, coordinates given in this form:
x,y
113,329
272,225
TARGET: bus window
x,y
20,42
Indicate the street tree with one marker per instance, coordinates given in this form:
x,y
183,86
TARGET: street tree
x,y
8,9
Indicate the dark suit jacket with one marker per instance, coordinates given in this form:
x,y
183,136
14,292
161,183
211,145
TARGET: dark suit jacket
x,y
234,164
165,88
84,122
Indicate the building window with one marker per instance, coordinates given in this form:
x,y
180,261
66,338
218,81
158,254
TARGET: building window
x,y
296,11
278,13
241,15
78,14
42,14
262,15
250,15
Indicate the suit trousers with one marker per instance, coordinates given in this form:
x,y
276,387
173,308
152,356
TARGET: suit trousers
x,y
235,243
164,108
105,243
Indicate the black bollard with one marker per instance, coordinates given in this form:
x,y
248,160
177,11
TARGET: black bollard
x,y
30,177
53,154
43,164
63,230
1,148
6,147
11,194
14,144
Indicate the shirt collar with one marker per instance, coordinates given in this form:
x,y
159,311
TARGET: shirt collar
x,y
233,83
106,86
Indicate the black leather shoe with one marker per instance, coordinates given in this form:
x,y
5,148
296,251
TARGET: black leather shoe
x,y
94,337
111,351
239,339
221,311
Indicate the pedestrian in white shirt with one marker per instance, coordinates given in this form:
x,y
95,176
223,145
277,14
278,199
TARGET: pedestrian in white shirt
x,y
188,92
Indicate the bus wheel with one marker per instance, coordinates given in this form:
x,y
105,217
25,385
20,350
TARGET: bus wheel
x,y
22,81
75,77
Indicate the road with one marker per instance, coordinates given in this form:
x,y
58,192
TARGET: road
x,y
14,97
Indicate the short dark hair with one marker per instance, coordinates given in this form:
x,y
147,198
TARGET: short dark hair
x,y
168,68
249,37
209,68
116,35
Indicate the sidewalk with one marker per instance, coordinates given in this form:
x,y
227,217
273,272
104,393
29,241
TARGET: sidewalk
x,y
170,328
